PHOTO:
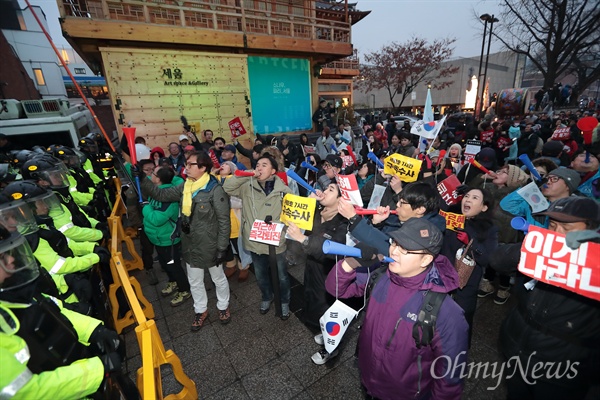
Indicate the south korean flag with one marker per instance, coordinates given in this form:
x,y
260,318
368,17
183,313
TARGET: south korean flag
x,y
334,323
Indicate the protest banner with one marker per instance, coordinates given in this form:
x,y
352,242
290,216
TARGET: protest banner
x,y
310,149
447,189
376,196
334,323
299,210
406,168
546,257
349,189
472,148
347,161
532,195
453,221
236,127
561,134
266,233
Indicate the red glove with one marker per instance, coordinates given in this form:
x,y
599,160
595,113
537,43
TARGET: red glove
x,y
463,236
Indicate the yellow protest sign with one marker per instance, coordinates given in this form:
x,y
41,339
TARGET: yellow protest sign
x,y
299,210
453,221
406,168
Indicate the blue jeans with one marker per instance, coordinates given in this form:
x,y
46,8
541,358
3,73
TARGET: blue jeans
x,y
263,276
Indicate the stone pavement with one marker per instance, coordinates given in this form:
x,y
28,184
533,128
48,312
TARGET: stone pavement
x,y
262,357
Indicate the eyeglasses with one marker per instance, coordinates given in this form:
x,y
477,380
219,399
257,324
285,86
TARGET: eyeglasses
x,y
189,164
403,202
326,166
553,178
395,246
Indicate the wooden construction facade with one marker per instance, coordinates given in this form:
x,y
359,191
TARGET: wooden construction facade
x,y
135,43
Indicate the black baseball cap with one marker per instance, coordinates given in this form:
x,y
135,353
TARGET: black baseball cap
x,y
418,234
334,161
573,209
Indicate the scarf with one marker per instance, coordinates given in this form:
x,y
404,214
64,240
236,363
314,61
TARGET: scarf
x,y
189,188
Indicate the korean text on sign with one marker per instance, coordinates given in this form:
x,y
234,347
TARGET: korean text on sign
x,y
299,210
236,127
266,233
447,189
453,221
349,189
406,168
546,257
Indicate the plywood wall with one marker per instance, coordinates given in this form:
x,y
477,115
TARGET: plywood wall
x,y
154,88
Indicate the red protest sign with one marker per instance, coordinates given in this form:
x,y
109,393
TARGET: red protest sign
x,y
546,257
214,159
453,221
447,189
349,189
237,128
347,161
561,134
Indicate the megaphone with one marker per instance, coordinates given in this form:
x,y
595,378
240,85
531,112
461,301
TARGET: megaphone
x,y
351,154
476,163
243,173
364,211
306,165
129,133
300,181
520,224
339,249
376,160
334,148
345,140
587,126
527,162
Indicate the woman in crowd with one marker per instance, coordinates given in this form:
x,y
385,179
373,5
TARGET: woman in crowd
x,y
328,225
406,147
324,143
365,173
477,206
263,196
156,154
205,228
505,180
395,144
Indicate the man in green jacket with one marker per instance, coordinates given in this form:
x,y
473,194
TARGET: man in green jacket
x,y
160,226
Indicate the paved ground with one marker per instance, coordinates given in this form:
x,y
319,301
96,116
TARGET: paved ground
x,y
261,357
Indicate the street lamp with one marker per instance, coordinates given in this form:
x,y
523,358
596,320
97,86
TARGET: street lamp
x,y
491,19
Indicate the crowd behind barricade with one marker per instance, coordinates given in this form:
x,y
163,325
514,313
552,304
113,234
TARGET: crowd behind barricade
x,y
427,226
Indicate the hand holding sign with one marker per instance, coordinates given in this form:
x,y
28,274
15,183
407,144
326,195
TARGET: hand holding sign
x,y
298,210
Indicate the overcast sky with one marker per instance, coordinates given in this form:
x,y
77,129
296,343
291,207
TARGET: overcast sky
x,y
390,20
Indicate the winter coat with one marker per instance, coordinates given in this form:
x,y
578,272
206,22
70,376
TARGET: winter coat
x,y
178,162
210,223
257,205
324,148
160,220
391,365
555,324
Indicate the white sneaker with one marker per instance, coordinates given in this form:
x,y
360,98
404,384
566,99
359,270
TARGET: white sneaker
x,y
319,339
322,356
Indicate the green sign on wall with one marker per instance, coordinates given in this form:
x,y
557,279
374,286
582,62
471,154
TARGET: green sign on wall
x,y
280,94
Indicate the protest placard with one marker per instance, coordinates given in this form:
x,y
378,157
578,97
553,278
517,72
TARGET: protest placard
x,y
236,127
453,221
546,257
310,150
406,168
447,189
299,210
347,161
349,189
266,233
472,148
561,134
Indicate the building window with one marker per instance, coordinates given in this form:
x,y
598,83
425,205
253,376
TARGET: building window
x,y
21,20
39,76
80,71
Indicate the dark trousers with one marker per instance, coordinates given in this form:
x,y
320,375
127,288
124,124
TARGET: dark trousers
x,y
147,250
466,298
174,270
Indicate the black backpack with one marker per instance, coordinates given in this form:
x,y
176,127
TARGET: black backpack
x,y
428,313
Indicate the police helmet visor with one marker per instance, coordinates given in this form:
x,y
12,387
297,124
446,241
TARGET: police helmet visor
x,y
46,205
17,264
18,217
56,176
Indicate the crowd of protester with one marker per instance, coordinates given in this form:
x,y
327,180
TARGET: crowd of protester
x,y
195,212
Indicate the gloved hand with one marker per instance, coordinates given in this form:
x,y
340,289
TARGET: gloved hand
x,y
462,190
103,253
106,340
111,362
462,236
220,257
135,172
103,227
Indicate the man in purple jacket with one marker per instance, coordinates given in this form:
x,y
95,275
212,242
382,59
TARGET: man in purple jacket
x,y
391,364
